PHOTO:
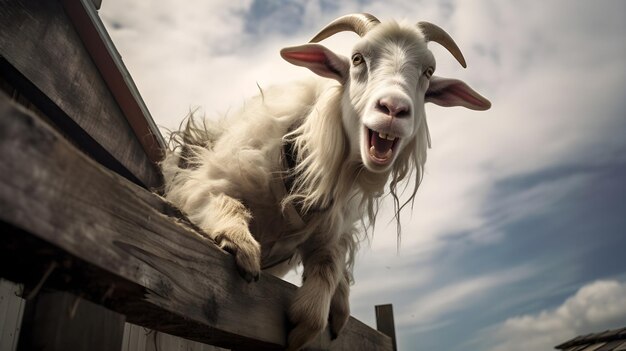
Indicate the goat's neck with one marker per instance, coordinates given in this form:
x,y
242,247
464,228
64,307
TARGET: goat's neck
x,y
326,170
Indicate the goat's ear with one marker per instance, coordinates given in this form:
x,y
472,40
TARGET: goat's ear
x,y
453,92
318,59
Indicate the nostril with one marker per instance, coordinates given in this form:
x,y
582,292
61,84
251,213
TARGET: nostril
x,y
402,112
382,107
393,107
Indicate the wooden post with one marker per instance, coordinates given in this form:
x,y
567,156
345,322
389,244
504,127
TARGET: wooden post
x,y
11,311
384,322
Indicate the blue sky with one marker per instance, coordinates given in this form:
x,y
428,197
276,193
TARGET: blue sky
x,y
518,235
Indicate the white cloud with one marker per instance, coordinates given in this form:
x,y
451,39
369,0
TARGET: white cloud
x,y
196,54
440,304
393,273
596,307
199,54
553,106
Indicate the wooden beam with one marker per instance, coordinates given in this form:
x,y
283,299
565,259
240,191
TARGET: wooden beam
x,y
97,4
42,56
96,40
28,95
126,248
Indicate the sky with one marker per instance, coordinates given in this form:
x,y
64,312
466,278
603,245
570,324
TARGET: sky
x,y
517,237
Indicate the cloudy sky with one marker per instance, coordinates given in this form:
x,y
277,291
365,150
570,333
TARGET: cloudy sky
x,y
517,240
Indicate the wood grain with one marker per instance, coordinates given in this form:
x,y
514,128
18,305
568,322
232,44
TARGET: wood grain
x,y
127,248
385,323
60,321
40,42
102,51
11,312
138,338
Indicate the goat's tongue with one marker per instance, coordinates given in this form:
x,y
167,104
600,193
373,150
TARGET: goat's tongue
x,y
381,148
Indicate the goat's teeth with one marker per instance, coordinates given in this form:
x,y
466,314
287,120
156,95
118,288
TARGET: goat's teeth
x,y
382,135
390,137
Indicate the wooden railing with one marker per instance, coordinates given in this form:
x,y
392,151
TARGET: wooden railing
x,y
70,224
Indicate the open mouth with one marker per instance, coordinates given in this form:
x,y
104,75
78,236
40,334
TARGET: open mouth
x,y
381,146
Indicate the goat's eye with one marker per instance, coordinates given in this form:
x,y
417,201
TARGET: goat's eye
x,y
429,72
357,59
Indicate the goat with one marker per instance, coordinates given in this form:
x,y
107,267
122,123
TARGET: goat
x,y
296,174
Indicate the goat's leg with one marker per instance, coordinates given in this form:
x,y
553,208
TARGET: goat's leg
x,y
226,220
310,308
340,306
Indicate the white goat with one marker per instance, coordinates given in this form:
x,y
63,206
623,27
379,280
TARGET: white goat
x,y
295,175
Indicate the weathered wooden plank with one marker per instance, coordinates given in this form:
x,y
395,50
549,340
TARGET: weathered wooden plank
x,y
137,338
40,42
162,341
11,312
126,338
121,245
97,3
60,321
96,40
134,338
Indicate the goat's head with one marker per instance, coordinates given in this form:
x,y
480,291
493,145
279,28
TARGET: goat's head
x,y
386,83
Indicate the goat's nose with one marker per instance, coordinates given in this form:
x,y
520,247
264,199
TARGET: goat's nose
x,y
393,106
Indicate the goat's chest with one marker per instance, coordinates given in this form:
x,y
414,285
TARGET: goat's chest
x,y
278,235
281,235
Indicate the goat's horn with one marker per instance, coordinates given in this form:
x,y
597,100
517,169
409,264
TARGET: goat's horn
x,y
360,23
435,33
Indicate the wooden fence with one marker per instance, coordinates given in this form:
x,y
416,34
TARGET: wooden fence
x,y
76,226
99,261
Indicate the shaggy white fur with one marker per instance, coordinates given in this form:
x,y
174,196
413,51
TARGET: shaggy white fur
x,y
351,135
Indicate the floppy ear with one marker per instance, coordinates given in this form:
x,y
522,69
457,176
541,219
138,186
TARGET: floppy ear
x,y
453,92
318,59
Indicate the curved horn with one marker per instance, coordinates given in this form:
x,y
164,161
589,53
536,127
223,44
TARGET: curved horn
x,y
435,33
360,23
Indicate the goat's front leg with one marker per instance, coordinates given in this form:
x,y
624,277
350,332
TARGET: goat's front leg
x,y
226,220
310,308
340,306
